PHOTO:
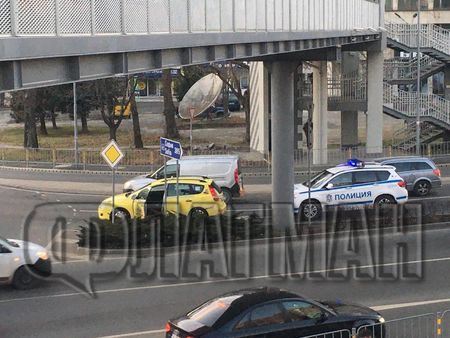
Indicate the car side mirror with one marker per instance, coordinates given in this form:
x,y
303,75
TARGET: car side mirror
x,y
330,186
323,317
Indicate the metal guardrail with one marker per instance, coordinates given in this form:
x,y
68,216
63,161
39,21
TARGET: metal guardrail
x,y
100,17
430,325
150,159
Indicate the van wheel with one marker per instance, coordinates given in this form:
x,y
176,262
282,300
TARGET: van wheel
x,y
227,195
311,210
24,279
422,188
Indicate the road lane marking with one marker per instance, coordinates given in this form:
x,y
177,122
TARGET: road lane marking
x,y
412,304
134,334
208,282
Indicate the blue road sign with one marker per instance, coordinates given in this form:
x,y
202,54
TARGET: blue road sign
x,y
171,148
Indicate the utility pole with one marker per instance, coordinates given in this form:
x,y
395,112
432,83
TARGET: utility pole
x,y
418,152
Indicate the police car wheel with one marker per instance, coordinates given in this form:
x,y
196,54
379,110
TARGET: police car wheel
x,y
384,200
365,333
311,210
23,279
422,188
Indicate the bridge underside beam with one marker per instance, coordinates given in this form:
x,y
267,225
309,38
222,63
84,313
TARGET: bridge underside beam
x,y
47,71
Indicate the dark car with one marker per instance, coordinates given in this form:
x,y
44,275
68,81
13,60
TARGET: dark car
x,y
233,103
270,312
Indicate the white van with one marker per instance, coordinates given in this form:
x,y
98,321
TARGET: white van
x,y
223,169
22,262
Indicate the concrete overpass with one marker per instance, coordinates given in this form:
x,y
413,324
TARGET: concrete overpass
x,y
50,42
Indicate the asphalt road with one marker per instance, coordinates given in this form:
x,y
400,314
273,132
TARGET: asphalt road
x,y
125,305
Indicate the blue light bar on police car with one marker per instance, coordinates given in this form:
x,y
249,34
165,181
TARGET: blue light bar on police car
x,y
354,162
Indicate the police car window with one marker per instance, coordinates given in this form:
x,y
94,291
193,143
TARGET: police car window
x,y
319,179
401,166
383,175
269,314
361,177
4,249
299,311
421,166
342,180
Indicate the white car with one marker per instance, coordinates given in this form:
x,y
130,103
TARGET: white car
x,y
22,263
352,184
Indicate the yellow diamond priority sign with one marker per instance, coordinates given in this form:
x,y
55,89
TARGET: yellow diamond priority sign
x,y
112,154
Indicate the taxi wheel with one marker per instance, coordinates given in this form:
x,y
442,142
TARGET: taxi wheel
x,y
121,215
198,214
422,188
23,279
311,210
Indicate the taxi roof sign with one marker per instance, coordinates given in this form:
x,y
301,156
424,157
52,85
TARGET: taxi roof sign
x,y
112,154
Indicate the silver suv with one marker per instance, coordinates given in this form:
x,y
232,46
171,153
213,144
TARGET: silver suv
x,y
420,173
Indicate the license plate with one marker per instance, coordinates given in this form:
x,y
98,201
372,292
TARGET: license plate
x,y
176,334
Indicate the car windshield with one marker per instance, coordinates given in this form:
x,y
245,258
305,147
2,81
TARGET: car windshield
x,y
208,313
318,180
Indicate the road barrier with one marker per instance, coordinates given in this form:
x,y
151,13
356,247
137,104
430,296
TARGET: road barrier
x,y
430,325
149,159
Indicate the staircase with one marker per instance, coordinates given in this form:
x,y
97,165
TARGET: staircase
x,y
434,40
404,70
405,139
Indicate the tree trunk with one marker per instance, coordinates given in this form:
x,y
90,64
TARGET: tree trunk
x,y
169,107
43,127
247,116
53,119
84,124
113,132
138,144
226,100
31,138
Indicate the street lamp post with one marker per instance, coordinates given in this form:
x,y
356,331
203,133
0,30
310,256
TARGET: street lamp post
x,y
418,152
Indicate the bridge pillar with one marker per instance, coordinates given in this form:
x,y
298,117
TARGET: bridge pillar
x,y
349,129
259,107
282,99
349,119
320,114
447,83
375,61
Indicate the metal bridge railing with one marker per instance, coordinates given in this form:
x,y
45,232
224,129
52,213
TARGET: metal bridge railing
x,y
431,36
406,69
99,17
406,103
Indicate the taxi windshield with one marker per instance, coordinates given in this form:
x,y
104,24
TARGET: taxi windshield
x,y
318,180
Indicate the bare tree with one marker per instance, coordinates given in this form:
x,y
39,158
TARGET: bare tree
x,y
29,104
111,93
229,76
138,144
169,107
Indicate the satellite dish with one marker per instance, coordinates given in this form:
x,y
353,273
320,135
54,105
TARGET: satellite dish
x,y
202,95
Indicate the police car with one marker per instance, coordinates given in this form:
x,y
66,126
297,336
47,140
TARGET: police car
x,y
352,184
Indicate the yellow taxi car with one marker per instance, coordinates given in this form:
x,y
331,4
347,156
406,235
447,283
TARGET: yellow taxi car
x,y
196,196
